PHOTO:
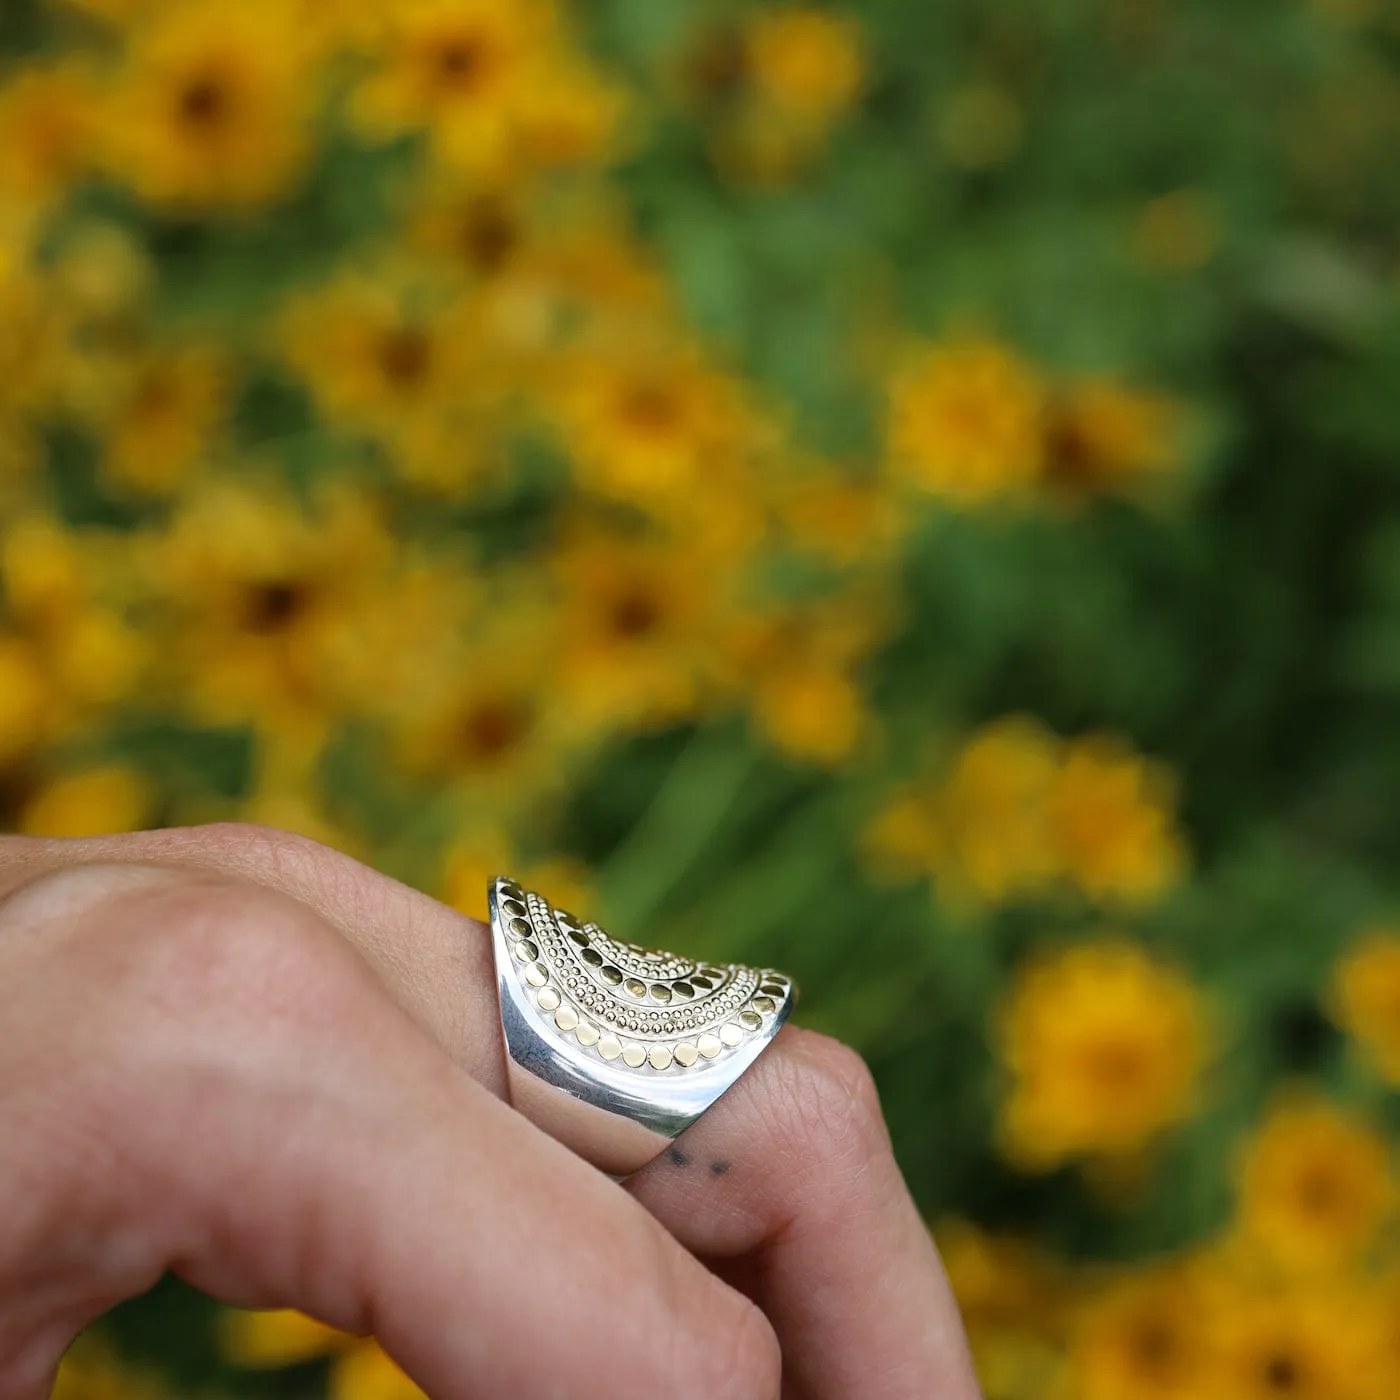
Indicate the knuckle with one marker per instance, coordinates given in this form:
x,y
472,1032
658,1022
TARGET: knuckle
x,y
265,852
828,1098
186,947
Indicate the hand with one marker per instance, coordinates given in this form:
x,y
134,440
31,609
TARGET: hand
x,y
233,1053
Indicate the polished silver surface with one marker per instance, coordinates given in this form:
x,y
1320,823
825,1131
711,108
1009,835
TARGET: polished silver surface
x,y
613,1048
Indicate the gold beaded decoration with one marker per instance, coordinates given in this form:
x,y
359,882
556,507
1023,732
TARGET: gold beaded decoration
x,y
654,1012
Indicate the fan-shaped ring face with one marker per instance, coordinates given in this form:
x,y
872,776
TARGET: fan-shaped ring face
x,y
646,1035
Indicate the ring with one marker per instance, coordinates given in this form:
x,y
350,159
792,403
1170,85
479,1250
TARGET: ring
x,y
616,1049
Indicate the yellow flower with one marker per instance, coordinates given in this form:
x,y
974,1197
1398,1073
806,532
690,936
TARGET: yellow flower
x,y
25,697
1143,1337
47,127
276,1337
1314,1185
388,357
111,798
474,860
260,596
1287,1343
1013,1301
1111,823
493,722
467,70
904,838
163,421
804,62
33,351
62,595
797,669
1365,999
571,120
842,521
212,111
648,423
966,423
1104,1047
635,626
475,230
1104,437
366,1372
994,843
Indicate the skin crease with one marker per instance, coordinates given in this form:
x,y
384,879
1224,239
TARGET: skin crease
x,y
234,1053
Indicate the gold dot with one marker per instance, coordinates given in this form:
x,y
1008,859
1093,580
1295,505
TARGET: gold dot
x,y
701,981
634,1056
773,989
610,974
750,1020
537,974
660,992
548,999
710,1045
519,927
730,1034
578,937
683,989
592,957
512,888
610,1047
686,1053
660,1057
637,989
567,919
763,1005
566,1018
513,909
526,951
587,1033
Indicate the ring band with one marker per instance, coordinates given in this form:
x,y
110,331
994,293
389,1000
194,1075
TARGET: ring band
x,y
616,1049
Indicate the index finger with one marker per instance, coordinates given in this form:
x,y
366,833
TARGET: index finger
x,y
790,1179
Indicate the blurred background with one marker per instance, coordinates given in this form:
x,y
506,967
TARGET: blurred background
x,y
905,493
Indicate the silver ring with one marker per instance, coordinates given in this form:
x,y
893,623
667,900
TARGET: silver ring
x,y
616,1049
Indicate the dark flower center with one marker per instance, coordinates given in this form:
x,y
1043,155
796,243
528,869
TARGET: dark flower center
x,y
204,103
1282,1374
634,614
492,728
272,606
405,356
458,62
1154,1346
651,407
488,236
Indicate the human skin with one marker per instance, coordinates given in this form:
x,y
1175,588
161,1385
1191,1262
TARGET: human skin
x,y
235,1054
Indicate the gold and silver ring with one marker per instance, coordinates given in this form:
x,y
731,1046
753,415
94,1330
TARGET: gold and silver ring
x,y
613,1048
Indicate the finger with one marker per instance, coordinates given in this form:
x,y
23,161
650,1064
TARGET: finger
x,y
198,1074
436,963
790,1177
809,1162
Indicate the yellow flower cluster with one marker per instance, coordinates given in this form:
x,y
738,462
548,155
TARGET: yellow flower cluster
x,y
508,304
1296,1298
975,424
1019,812
772,85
